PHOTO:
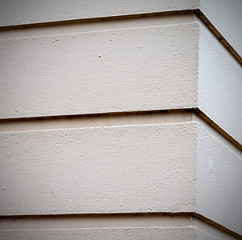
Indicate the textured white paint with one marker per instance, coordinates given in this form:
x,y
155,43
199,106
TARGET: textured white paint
x,y
226,17
114,227
183,233
91,26
221,13
218,192
105,71
146,168
112,69
14,12
142,168
143,233
220,85
150,68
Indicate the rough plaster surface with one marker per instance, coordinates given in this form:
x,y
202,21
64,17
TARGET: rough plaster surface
x,y
152,67
218,180
91,26
105,71
149,168
13,12
143,233
146,60
221,13
140,168
220,85
169,233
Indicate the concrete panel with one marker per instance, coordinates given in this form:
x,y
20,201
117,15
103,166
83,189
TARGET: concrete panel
x,y
226,17
104,71
13,12
185,233
220,85
146,168
219,180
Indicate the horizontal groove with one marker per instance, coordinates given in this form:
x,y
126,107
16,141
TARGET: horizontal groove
x,y
83,27
85,20
109,220
198,13
95,120
94,221
111,119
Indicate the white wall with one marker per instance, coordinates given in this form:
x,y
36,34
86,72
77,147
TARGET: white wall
x,y
183,233
172,164
226,17
219,179
219,84
14,12
101,71
143,168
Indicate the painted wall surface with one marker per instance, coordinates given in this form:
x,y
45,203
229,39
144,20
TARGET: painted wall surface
x,y
100,71
221,13
201,235
184,233
146,168
173,164
226,17
219,180
219,84
140,168
12,12
121,61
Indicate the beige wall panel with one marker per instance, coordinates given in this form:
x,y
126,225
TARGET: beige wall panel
x,y
14,12
168,233
220,85
219,180
149,168
104,71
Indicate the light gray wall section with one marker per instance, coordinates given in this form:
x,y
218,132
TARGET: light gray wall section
x,y
219,84
201,235
226,16
219,167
